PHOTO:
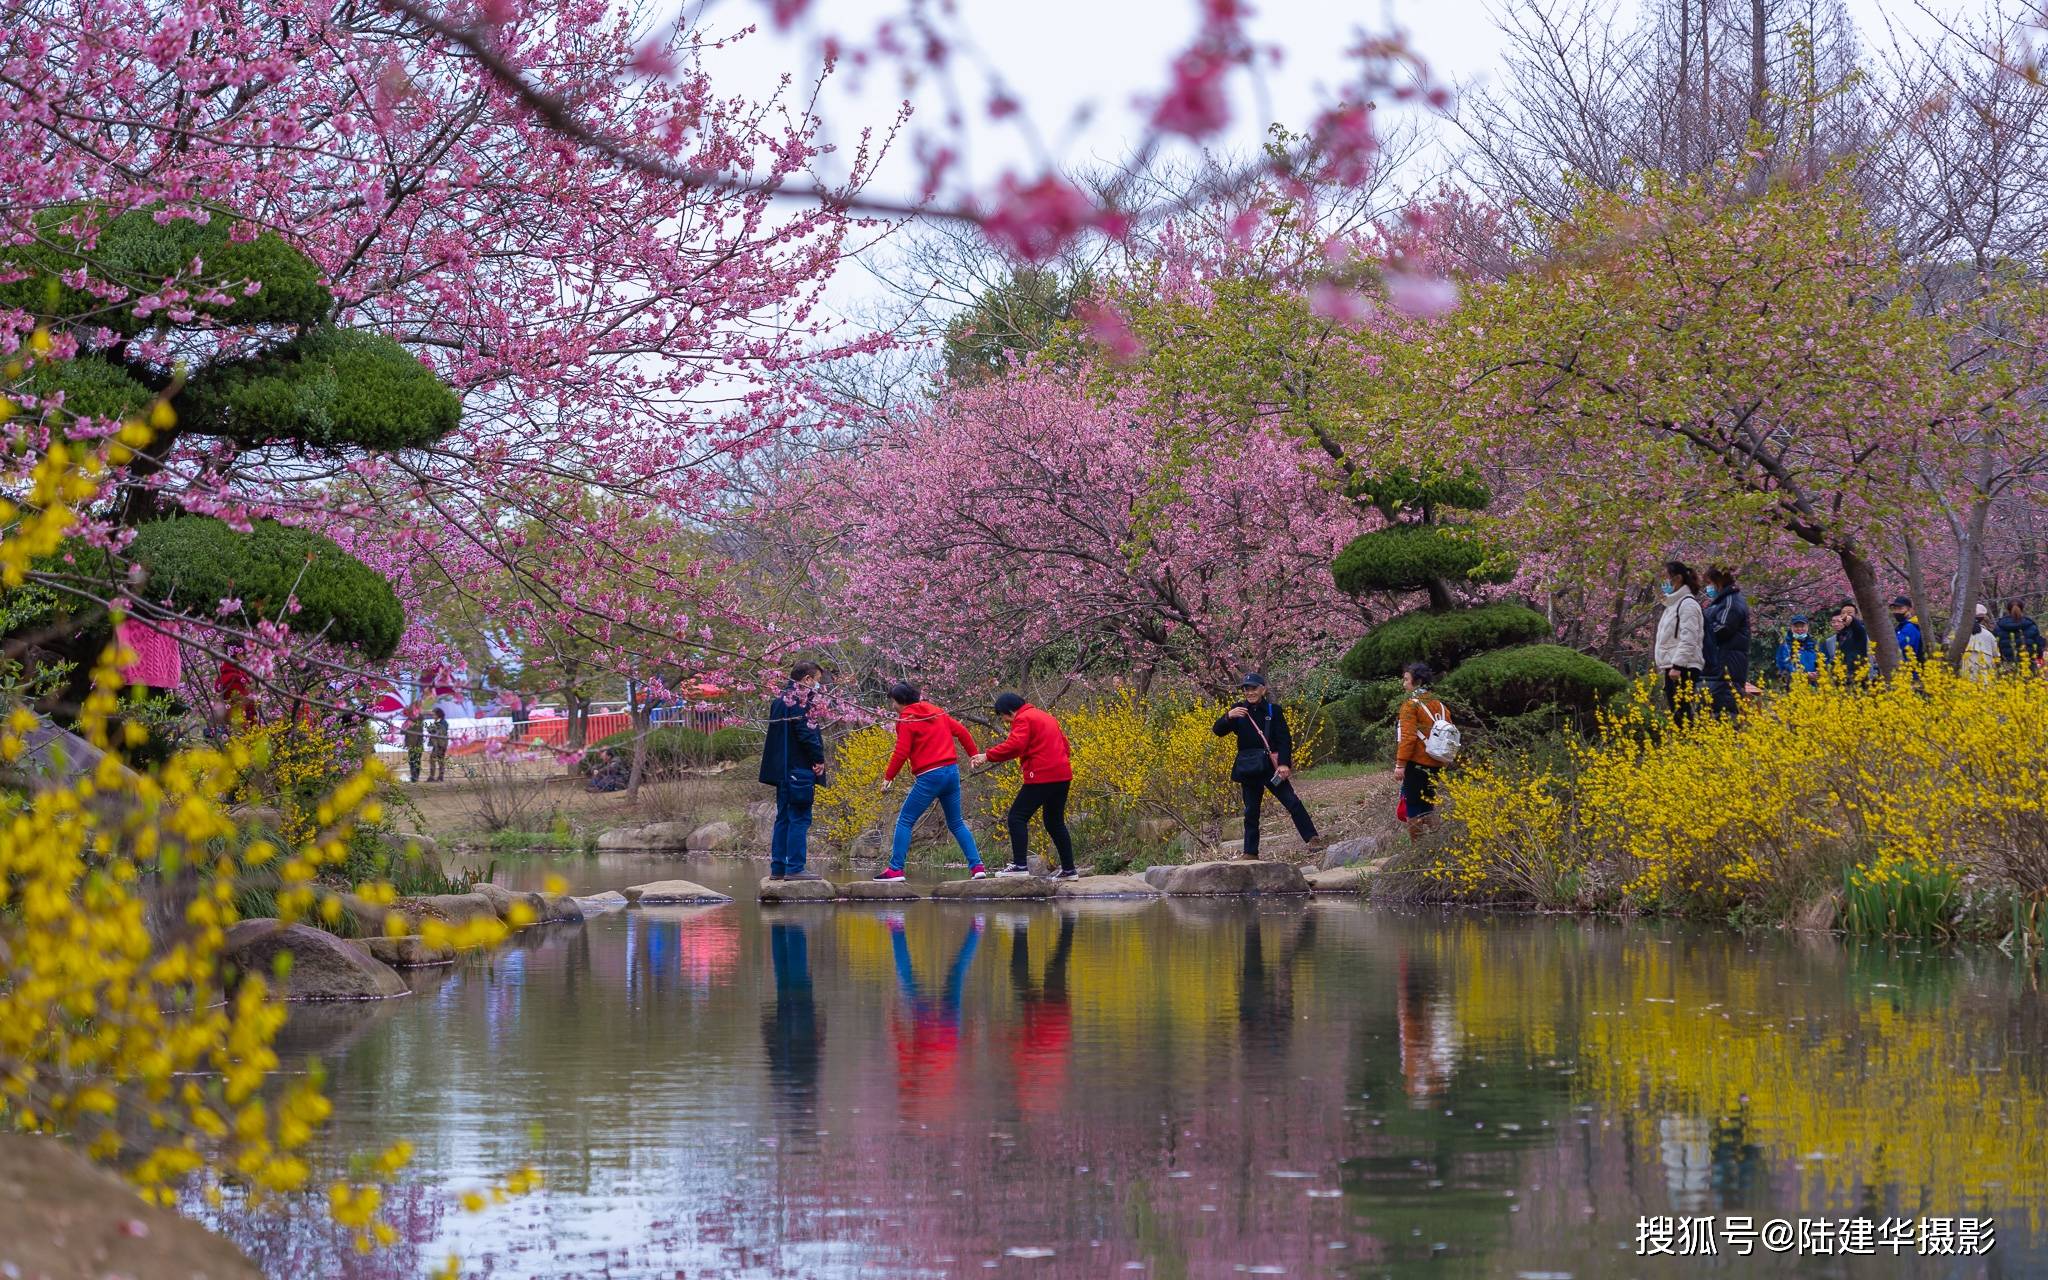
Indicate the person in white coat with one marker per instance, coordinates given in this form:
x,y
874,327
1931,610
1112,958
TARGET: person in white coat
x,y
1681,650
1980,654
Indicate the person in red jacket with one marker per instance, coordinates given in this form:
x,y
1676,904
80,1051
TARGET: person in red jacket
x,y
1039,747
925,735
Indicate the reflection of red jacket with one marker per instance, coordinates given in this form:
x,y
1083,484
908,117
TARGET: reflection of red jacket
x,y
927,1062
1039,1053
1038,745
924,737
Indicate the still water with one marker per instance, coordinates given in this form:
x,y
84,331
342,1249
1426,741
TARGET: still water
x,y
1171,1089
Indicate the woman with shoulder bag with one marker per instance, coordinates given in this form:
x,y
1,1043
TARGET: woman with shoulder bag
x,y
1421,712
1681,648
1264,761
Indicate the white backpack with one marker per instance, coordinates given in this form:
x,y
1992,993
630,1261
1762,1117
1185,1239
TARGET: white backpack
x,y
1444,739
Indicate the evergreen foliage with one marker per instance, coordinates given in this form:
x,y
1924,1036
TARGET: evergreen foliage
x,y
1532,678
326,388
1408,557
1442,639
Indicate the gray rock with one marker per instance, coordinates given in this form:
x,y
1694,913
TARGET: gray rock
x,y
879,891
761,814
1357,849
1157,830
1104,887
1242,876
323,967
660,837
560,908
54,757
995,887
869,845
1337,880
409,952
668,892
408,841
368,917
597,904
713,836
452,907
798,890
502,901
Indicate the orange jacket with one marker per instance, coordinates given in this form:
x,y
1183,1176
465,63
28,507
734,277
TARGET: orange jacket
x,y
1413,727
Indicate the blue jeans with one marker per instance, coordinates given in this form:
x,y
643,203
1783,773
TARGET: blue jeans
x,y
947,1007
789,846
942,785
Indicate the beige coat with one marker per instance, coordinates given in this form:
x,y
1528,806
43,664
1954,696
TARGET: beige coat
x,y
1681,633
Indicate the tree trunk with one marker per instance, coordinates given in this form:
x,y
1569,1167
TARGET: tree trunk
x,y
1759,93
1916,587
1884,638
1969,572
642,711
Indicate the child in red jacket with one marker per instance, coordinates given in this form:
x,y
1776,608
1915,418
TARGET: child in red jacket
x,y
1039,746
925,735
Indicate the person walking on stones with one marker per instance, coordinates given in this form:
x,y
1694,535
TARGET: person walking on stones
x,y
437,744
1727,643
1680,652
1420,712
793,762
415,744
1039,746
925,735
1264,761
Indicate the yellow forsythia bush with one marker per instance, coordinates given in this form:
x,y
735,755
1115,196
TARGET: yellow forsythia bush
x,y
1934,775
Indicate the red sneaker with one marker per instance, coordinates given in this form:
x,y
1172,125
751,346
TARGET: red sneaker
x,y
889,873
979,873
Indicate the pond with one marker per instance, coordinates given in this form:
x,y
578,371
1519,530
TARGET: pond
x,y
1182,1088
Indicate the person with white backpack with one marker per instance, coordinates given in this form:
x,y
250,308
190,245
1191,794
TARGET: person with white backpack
x,y
1425,741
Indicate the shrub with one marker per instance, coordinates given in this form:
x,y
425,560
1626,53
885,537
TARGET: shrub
x,y
1405,557
1531,678
1442,639
1394,492
328,388
673,747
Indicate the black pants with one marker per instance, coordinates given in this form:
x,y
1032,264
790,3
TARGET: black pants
x,y
1254,791
1725,685
1418,789
1049,799
1681,694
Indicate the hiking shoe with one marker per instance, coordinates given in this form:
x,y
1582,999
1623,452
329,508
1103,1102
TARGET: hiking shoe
x,y
1014,869
1066,873
1316,842
803,875
775,875
978,873
888,873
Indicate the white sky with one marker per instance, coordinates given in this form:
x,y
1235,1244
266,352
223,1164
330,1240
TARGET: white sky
x,y
1062,57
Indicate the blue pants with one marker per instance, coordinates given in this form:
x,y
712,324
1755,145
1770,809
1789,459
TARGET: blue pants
x,y
789,846
947,1007
942,785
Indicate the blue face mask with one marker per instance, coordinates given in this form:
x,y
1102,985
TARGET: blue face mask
x,y
1668,588
1712,592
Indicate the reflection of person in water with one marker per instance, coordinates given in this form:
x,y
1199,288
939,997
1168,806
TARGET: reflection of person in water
x,y
928,1049
1265,994
1044,1026
793,1031
1429,1034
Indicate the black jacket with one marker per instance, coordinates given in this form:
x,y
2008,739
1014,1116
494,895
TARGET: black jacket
x,y
1852,647
2017,634
793,742
1728,634
1266,717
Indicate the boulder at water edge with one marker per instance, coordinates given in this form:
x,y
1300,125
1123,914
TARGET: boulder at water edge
x,y
867,846
409,952
503,899
662,893
1104,887
597,904
452,907
879,891
1337,880
798,890
560,908
1357,849
994,887
323,966
1245,876
660,837
713,836
761,816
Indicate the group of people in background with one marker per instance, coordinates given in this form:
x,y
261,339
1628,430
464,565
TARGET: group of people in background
x,y
427,738
1703,637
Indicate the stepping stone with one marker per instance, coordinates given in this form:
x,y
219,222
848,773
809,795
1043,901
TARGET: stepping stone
x,y
798,890
662,893
599,903
1104,887
323,967
879,891
409,952
503,900
994,887
1337,880
1237,878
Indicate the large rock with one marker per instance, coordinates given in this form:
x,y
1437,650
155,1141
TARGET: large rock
x,y
1337,880
409,952
660,837
798,890
869,845
1242,876
713,836
1104,887
452,907
414,842
502,901
994,887
64,1218
879,891
323,966
668,892
1357,849
560,908
597,904
761,816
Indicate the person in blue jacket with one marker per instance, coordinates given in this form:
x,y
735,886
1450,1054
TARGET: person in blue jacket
x,y
1911,647
1727,642
792,760
1799,651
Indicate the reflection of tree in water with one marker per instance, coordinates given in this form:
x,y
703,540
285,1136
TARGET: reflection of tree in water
x,y
793,1030
1265,990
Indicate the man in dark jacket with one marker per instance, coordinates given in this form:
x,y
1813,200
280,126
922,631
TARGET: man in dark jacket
x,y
2019,639
1912,647
792,760
1727,623
1852,643
1265,760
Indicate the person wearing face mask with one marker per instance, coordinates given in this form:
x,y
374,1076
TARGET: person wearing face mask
x,y
1799,652
1852,643
1680,652
1911,647
1727,642
1264,761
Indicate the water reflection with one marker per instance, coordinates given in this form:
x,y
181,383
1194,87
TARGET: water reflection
x,y
1185,1089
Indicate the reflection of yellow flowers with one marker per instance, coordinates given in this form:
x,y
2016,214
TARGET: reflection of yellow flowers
x,y
1907,781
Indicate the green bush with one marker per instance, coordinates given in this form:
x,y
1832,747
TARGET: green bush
x,y
674,747
329,387
1405,557
199,561
92,387
1530,678
1394,492
1442,639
